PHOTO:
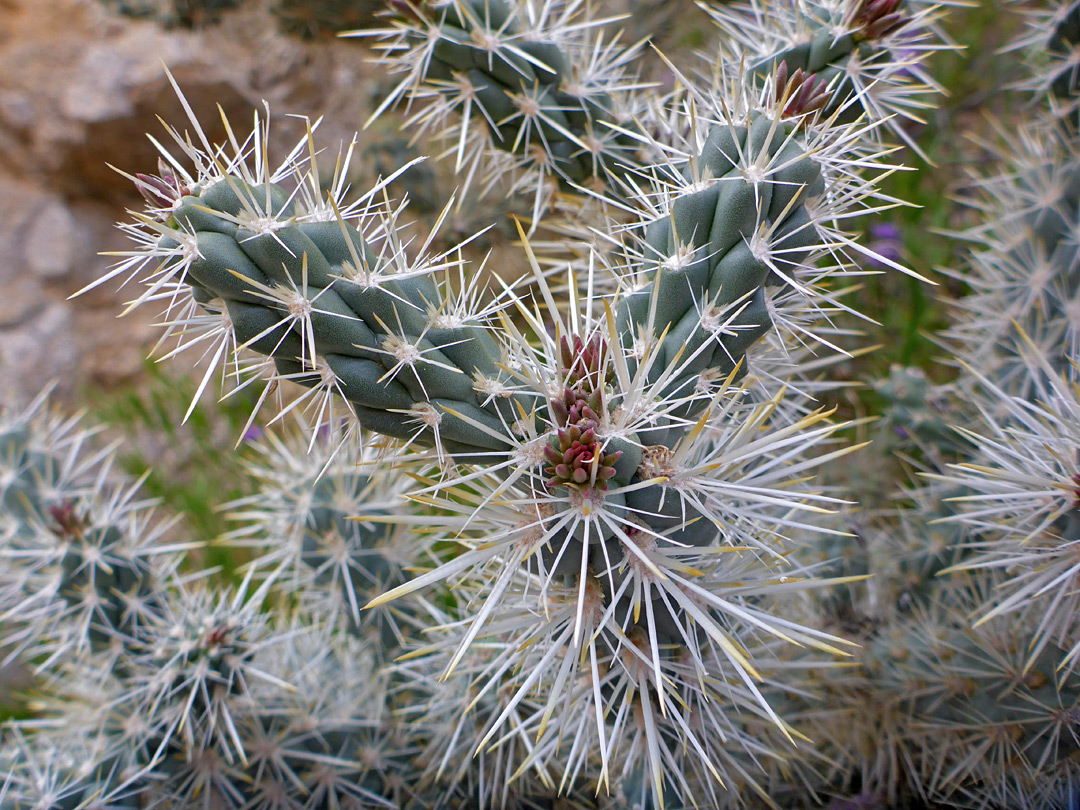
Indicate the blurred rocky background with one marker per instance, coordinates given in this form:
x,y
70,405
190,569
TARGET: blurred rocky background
x,y
81,83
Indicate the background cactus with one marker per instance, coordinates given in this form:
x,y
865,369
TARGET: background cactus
x,y
583,540
320,19
185,13
532,81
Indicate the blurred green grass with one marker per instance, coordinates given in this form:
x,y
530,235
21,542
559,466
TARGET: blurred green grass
x,y
192,467
910,311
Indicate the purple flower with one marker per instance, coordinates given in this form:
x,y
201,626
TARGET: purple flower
x,y
252,434
886,241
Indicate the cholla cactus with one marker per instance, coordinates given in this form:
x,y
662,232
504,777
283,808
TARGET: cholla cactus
x,y
155,688
1021,515
940,712
82,553
609,459
319,519
1028,254
986,665
1016,486
1050,46
562,544
1024,271
539,90
531,87
868,53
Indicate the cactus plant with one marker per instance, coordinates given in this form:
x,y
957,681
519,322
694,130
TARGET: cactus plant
x,y
582,540
619,440
867,53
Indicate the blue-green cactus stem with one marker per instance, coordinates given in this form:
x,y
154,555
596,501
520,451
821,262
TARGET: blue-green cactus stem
x,y
704,283
916,409
527,90
824,58
291,285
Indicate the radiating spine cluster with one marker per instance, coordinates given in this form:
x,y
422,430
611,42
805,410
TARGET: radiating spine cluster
x,y
158,686
82,554
1017,497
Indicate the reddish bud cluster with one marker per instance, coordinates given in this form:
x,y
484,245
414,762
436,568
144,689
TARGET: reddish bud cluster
x,y
800,93
584,365
216,637
874,19
577,459
576,456
161,191
573,409
68,523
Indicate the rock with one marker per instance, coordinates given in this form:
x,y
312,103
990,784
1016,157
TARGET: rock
x,y
37,352
114,349
49,245
23,298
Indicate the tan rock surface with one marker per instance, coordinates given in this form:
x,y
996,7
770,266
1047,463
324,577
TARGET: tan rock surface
x,y
79,89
